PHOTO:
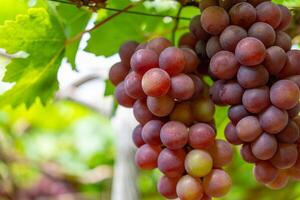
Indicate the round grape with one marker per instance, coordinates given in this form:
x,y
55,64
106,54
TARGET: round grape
x,y
231,36
174,135
151,132
248,129
270,13
243,14
275,59
201,136
264,147
158,44
273,120
122,98
172,60
182,87
160,106
146,156
117,73
264,32
198,163
143,60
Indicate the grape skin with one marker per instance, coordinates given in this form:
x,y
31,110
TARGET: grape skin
x,y
231,135
141,112
151,132
250,51
214,20
273,120
231,93
285,157
133,85
275,59
160,106
146,156
292,66
166,186
189,188
248,129
264,172
293,112
280,181
215,92
187,40
191,59
117,73
252,77
246,153
137,136
199,86
203,109
213,46
171,162
158,44
197,30
236,113
217,183
224,65
264,147
207,3
264,32
270,13
174,135
121,96
172,60
284,94
156,82
256,2
290,134
143,60
243,14
183,113
286,18
126,51
221,153
283,40
201,136
230,37
198,163
182,87
257,99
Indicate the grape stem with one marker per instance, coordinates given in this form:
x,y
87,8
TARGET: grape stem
x,y
176,24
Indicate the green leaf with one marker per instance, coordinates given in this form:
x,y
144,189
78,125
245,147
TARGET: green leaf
x,y
107,39
74,20
41,37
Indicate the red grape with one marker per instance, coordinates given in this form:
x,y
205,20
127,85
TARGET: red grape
x,y
160,106
191,59
121,96
141,112
283,40
146,156
231,36
207,3
290,134
137,136
158,44
201,136
275,59
133,85
264,32
231,93
187,40
143,60
183,113
248,129
251,77
182,87
257,99
247,154
273,120
286,18
197,30
126,51
292,66
171,162
285,157
172,60
264,172
189,188
151,132
221,153
236,113
264,147
117,73
270,13
231,135
174,135
213,46
279,182
166,186
243,14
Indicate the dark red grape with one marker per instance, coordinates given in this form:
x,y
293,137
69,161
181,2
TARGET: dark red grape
x,y
264,147
158,44
215,92
217,183
227,4
214,20
236,113
252,77
213,46
256,2
283,40
290,134
143,60
292,66
151,132
171,162
122,98
285,157
166,186
187,40
117,73
172,60
243,14
200,49
247,155
183,113
192,61
231,93
270,13
189,188
126,51
174,135
160,106
280,181
133,85
137,136
284,94
141,112
182,87
275,59
264,32
257,99
201,136
221,153
293,112
199,86
156,82
250,51
231,135
207,3
231,36
224,65
273,120
197,30
248,129
146,156
141,46
295,79
286,18
198,163
203,109
264,172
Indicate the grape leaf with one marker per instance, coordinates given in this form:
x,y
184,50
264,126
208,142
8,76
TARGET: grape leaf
x,y
107,39
74,20
41,36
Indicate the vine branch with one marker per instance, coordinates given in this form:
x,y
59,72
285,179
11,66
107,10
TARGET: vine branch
x,y
176,24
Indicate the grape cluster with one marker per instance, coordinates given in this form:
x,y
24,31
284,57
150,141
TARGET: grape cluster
x,y
176,131
248,54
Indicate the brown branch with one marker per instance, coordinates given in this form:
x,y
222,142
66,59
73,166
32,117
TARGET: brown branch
x,y
176,24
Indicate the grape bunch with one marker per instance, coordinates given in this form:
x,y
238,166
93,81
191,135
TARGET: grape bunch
x,y
176,131
248,54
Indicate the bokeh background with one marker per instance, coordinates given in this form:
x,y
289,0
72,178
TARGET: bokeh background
x,y
70,148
